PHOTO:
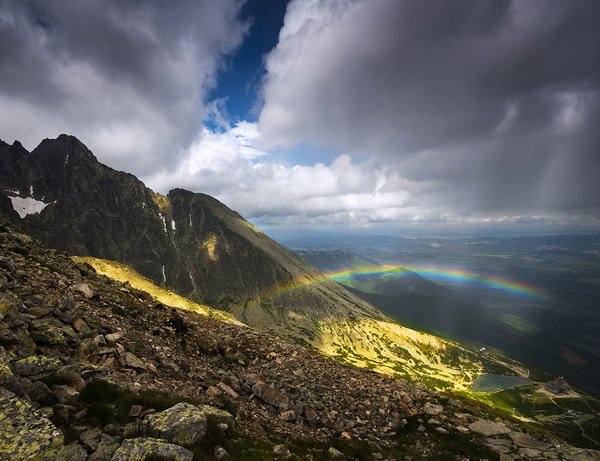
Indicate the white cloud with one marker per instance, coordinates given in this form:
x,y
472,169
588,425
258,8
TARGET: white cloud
x,y
228,165
127,79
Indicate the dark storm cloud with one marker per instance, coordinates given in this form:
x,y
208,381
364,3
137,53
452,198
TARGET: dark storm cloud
x,y
127,77
494,105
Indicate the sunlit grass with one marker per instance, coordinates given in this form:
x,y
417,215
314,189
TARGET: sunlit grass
x,y
124,273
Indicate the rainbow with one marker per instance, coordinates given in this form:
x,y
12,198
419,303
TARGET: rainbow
x,y
435,273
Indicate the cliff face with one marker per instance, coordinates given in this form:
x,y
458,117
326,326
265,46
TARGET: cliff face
x,y
188,242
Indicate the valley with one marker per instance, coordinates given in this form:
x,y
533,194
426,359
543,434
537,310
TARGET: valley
x,y
551,326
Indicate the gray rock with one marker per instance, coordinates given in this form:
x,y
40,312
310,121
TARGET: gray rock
x,y
84,289
523,440
432,409
135,411
228,390
134,362
499,445
488,428
271,395
334,453
216,416
281,451
112,338
183,424
104,451
221,453
65,394
37,391
140,448
90,438
71,375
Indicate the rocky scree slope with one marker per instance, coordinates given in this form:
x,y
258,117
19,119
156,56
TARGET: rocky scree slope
x,y
196,246
92,369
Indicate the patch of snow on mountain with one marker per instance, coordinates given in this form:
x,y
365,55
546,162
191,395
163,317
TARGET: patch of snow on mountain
x,y
27,205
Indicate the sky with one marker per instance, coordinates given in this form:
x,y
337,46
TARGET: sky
x,y
325,115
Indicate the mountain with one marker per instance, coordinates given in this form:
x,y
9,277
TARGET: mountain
x,y
92,369
195,246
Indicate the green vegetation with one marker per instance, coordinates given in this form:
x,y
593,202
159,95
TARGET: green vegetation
x,y
518,323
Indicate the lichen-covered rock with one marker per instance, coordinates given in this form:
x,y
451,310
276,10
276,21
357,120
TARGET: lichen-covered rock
x,y
51,331
25,432
140,448
7,379
35,365
104,451
216,416
184,424
72,452
134,362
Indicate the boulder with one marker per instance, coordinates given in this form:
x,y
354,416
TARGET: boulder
x,y
51,331
216,416
141,448
488,428
132,361
25,432
36,365
271,395
65,394
84,289
432,409
72,452
523,440
183,424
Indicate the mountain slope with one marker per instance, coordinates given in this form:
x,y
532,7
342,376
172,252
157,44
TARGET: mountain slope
x,y
88,365
196,246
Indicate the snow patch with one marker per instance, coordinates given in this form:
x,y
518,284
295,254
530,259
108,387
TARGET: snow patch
x,y
164,274
164,222
172,224
66,159
31,190
190,216
25,206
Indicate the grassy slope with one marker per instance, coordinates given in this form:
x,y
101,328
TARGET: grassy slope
x,y
357,338
124,273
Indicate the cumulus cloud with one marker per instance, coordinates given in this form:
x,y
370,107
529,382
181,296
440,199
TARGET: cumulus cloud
x,y
494,103
229,165
128,78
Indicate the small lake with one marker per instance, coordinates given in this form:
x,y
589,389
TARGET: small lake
x,y
492,383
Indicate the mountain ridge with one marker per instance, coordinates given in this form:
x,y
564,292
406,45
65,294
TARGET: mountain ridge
x,y
196,246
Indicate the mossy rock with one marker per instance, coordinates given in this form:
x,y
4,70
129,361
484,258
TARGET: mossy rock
x,y
183,424
35,365
26,433
144,448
